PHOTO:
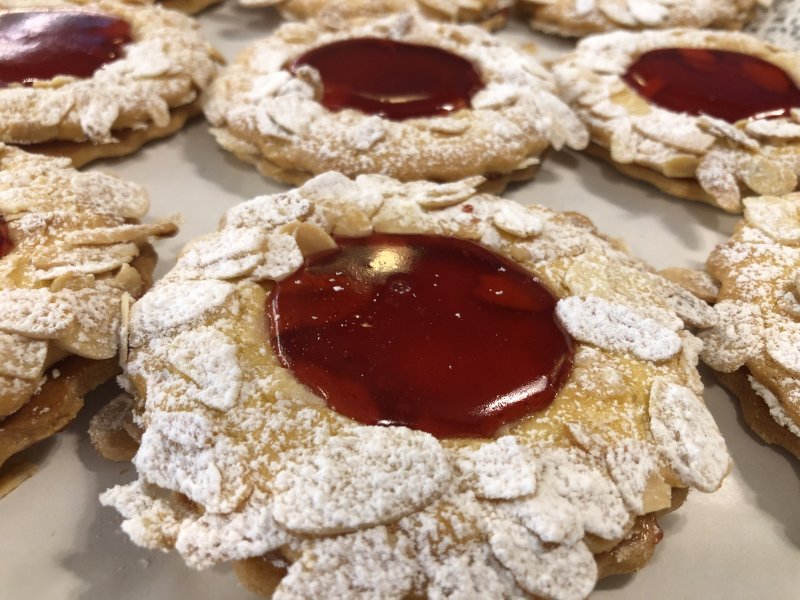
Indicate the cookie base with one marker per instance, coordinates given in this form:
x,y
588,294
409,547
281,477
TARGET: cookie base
x,y
495,182
756,413
128,141
53,408
685,188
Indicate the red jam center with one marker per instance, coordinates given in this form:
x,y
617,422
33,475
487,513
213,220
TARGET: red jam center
x,y
392,79
44,44
5,240
434,333
723,84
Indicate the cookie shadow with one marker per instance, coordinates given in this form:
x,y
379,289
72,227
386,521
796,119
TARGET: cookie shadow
x,y
633,197
762,467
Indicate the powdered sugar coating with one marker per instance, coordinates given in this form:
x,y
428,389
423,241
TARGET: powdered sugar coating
x,y
760,157
317,490
499,471
687,435
208,358
166,66
273,119
175,304
561,573
759,316
362,511
617,328
582,17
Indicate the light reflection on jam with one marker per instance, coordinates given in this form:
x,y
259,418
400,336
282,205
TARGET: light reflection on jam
x,y
720,83
6,245
431,332
393,79
44,44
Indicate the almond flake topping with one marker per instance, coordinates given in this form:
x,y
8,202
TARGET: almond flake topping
x,y
618,328
208,358
385,471
687,436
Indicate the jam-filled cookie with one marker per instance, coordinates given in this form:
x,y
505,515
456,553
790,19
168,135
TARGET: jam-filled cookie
x,y
702,115
755,346
95,79
72,257
401,96
374,389
577,18
489,13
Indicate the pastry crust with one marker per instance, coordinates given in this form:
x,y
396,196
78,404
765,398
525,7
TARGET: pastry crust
x,y
491,14
577,18
78,258
756,345
190,7
270,118
143,95
693,157
262,471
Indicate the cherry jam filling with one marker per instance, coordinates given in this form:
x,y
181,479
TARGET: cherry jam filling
x,y
392,79
720,83
6,245
44,44
434,333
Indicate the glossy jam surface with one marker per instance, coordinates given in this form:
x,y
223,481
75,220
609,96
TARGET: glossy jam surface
x,y
727,85
43,44
5,240
392,79
431,332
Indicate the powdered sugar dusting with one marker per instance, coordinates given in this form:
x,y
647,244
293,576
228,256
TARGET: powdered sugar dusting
x,y
361,565
783,345
215,538
208,358
499,471
386,472
617,328
738,336
175,303
774,405
561,573
687,435
181,451
35,313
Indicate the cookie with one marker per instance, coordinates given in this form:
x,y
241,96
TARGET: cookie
x,y
577,18
754,347
72,257
282,374
401,96
702,115
141,81
491,14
